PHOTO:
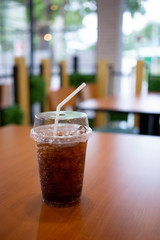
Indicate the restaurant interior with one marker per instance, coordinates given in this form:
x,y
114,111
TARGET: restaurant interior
x,y
48,50
65,48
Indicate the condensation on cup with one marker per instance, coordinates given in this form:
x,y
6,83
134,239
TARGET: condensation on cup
x,y
61,158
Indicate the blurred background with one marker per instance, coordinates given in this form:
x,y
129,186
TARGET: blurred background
x,y
79,33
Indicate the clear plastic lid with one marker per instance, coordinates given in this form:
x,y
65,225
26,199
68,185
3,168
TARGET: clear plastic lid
x,y
72,127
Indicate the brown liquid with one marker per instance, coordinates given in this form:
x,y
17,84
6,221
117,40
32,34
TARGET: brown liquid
x,y
61,171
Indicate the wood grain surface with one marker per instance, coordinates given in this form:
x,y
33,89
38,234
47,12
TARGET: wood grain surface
x,y
149,104
120,198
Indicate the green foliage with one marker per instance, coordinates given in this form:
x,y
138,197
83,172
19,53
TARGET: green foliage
x,y
39,9
139,38
76,79
37,89
134,6
147,31
11,115
73,18
75,11
129,41
42,9
154,83
114,117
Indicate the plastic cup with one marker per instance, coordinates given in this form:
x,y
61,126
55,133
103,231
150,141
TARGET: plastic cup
x,y
61,158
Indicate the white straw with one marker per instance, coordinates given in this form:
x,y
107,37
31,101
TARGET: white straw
x,y
62,103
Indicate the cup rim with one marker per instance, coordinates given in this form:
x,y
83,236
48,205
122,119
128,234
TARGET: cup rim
x,y
62,115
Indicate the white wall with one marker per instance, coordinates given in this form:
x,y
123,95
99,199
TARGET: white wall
x,y
109,45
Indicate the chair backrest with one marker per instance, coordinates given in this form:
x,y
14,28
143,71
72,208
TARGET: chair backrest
x,y
5,95
102,77
46,73
100,88
90,91
138,90
139,76
63,74
22,88
55,97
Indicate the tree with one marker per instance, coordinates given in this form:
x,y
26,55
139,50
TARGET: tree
x,y
73,11
134,6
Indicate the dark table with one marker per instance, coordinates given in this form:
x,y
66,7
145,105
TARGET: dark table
x,y
147,107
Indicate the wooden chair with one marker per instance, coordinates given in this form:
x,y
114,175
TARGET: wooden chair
x,y
100,89
22,88
46,73
55,97
64,74
138,89
90,91
5,95
96,90
139,76
139,80
10,113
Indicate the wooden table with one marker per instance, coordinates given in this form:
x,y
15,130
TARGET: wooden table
x,y
121,192
148,108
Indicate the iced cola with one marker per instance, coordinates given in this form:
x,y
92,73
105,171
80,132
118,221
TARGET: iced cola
x,y
61,162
